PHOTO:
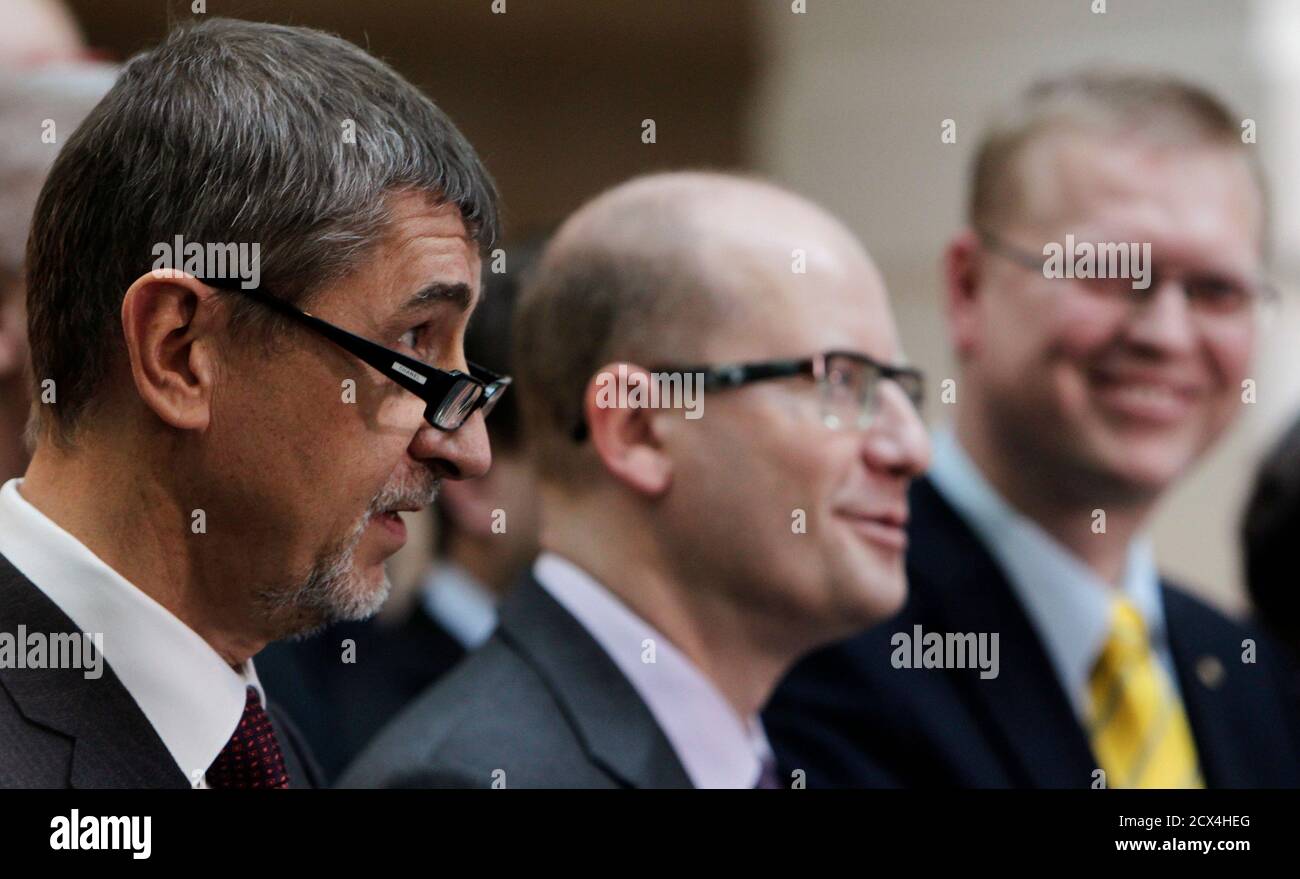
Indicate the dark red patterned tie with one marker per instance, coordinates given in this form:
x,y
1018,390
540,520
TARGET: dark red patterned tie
x,y
252,758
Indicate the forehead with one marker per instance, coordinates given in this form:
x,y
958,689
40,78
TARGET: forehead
x,y
838,301
424,238
424,244
1195,196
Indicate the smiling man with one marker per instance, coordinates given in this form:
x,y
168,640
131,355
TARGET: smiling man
x,y
687,562
1080,403
215,467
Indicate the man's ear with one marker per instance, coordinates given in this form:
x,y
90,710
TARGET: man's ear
x,y
468,504
962,279
169,322
624,434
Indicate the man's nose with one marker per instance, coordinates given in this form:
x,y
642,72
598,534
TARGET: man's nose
x,y
1164,321
897,442
463,453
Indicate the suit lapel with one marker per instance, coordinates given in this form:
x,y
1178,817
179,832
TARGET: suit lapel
x,y
1205,665
298,761
114,745
616,728
959,587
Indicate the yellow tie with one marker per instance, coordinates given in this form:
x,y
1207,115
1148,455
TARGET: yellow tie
x,y
1137,725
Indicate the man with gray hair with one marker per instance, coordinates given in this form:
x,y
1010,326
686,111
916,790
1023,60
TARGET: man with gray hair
x,y
39,110
215,467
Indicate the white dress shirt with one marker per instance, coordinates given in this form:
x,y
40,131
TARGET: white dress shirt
x,y
1067,603
460,604
715,746
190,696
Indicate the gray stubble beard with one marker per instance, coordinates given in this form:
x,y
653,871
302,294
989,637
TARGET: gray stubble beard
x,y
332,591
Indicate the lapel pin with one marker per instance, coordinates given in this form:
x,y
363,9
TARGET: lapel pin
x,y
1210,670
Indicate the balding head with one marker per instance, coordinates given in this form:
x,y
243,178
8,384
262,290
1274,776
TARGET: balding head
x,y
35,32
691,275
715,221
651,272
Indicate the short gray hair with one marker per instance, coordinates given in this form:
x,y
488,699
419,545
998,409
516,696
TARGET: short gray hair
x,y
230,131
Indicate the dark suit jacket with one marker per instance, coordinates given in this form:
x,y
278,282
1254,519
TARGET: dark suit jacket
x,y
60,730
540,701
849,718
340,706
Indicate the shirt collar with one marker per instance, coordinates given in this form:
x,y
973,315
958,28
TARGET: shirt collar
x,y
716,747
457,601
1067,603
188,693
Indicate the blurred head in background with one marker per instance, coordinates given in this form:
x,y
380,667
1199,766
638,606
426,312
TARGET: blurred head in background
x,y
773,520
488,526
38,32
1270,525
1089,390
39,110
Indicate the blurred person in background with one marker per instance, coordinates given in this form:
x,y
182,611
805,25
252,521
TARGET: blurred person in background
x,y
1080,401
342,685
1271,540
39,110
34,33
687,561
46,89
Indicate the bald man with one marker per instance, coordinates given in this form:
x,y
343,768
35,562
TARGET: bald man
x,y
37,32
691,552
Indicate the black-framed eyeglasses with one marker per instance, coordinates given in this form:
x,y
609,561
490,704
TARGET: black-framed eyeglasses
x,y
450,397
848,383
1207,293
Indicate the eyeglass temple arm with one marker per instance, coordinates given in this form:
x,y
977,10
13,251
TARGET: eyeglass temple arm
x,y
408,372
734,375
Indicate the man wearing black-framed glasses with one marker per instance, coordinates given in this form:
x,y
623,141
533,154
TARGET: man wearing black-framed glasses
x,y
687,561
208,476
485,537
449,397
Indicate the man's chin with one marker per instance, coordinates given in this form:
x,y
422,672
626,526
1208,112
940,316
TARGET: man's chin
x,y
1143,466
371,590
878,596
359,598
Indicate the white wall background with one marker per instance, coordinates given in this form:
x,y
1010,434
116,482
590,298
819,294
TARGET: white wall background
x,y
849,113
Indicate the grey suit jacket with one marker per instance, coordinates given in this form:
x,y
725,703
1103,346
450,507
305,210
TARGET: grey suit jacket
x,y
540,705
60,730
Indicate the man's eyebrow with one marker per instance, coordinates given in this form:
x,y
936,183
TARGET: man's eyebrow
x,y
457,294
